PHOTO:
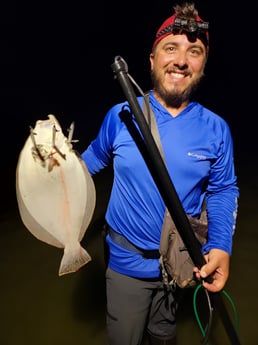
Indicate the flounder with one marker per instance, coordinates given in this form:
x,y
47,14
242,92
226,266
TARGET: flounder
x,y
55,193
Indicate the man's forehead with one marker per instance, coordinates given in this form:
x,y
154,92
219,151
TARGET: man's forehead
x,y
180,38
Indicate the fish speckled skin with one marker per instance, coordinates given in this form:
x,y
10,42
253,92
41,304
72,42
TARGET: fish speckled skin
x,y
55,193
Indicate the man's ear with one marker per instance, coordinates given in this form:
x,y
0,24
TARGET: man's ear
x,y
151,57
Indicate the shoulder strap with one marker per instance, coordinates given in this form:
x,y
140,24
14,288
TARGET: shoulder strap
x,y
150,118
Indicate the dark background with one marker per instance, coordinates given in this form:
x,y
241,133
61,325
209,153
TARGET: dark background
x,y
56,58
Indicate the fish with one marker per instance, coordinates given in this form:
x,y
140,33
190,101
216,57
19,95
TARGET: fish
x,y
55,192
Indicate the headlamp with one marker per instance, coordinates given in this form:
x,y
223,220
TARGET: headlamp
x,y
193,28
189,25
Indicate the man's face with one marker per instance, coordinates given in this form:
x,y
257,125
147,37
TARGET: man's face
x,y
177,67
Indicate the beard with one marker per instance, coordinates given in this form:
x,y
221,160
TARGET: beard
x,y
175,98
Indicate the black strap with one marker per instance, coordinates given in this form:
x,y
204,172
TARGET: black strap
x,y
125,243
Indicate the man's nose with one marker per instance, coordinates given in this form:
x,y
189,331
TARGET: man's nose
x,y
180,60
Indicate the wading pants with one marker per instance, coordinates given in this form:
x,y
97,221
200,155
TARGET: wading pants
x,y
136,306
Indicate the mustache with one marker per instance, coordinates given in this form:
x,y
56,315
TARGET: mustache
x,y
181,70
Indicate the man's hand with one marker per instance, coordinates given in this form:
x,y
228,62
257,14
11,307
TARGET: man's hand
x,y
217,266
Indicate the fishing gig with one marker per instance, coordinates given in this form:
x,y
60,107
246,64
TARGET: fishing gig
x,y
55,193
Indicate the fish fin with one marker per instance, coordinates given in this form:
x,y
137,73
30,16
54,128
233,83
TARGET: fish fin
x,y
73,260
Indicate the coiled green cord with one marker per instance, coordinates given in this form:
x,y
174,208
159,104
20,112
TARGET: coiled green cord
x,y
205,332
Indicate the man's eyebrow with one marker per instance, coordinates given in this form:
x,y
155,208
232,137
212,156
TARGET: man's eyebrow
x,y
196,45
192,45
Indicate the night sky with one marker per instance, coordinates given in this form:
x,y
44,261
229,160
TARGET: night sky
x,y
56,58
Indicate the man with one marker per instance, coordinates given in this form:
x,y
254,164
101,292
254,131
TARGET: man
x,y
198,151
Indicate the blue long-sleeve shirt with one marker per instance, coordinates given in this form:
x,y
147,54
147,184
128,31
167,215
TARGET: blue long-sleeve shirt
x,y
198,150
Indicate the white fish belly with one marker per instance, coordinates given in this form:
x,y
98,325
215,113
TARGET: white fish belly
x,y
56,198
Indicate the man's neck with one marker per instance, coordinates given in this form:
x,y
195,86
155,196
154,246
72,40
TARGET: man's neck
x,y
172,110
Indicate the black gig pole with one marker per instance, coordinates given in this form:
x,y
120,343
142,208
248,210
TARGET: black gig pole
x,y
167,190
162,178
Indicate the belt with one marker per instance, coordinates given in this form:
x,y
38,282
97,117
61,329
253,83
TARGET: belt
x,y
125,243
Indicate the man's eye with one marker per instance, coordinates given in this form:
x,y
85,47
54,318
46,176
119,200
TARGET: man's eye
x,y
195,52
170,49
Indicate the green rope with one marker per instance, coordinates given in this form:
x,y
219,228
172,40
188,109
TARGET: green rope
x,y
233,307
205,332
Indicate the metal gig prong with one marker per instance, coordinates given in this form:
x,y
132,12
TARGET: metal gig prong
x,y
32,135
70,139
70,132
54,144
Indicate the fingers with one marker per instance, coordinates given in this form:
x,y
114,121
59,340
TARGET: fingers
x,y
215,272
213,282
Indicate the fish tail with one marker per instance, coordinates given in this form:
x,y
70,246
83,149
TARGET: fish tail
x,y
73,260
